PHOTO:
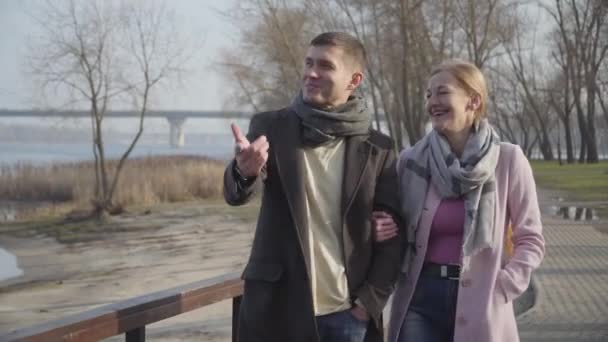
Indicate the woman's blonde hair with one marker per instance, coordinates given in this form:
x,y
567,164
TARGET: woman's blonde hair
x,y
471,79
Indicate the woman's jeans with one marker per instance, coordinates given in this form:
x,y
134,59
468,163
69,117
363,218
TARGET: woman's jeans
x,y
431,314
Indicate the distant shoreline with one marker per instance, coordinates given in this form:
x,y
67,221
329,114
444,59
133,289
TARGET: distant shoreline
x,y
45,153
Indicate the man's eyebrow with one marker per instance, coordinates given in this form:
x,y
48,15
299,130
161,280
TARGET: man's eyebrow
x,y
326,61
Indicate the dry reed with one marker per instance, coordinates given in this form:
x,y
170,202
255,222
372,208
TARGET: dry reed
x,y
143,181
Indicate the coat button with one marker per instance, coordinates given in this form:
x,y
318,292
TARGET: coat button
x,y
461,321
465,282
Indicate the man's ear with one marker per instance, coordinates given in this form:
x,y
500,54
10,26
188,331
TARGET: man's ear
x,y
355,80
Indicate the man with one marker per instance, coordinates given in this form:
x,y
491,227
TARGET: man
x,y
315,273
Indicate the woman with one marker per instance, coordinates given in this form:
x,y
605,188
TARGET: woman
x,y
460,189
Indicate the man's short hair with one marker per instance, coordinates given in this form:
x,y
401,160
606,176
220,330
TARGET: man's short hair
x,y
351,46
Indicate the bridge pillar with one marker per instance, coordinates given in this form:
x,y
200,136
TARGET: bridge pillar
x,y
176,131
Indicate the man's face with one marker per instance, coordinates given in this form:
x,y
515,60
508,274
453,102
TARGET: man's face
x,y
329,76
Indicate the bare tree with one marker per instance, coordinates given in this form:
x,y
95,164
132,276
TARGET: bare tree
x,y
267,64
582,26
485,25
406,38
510,115
104,54
560,95
527,73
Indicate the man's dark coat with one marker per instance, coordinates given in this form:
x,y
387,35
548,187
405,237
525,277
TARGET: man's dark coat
x,y
277,302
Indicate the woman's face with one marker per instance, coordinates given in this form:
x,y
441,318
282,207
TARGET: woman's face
x,y
451,108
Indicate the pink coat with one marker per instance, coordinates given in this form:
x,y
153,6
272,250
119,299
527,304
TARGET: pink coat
x,y
484,310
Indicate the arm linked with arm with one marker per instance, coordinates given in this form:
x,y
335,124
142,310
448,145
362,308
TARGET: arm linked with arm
x,y
386,255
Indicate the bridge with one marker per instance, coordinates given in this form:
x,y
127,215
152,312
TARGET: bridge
x,y
176,118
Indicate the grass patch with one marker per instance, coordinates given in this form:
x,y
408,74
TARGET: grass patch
x,y
64,231
247,213
581,182
143,217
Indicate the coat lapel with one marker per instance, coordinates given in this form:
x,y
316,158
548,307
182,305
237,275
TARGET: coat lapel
x,y
431,203
289,160
356,158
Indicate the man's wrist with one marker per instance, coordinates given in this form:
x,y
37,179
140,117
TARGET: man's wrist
x,y
238,173
239,177
359,303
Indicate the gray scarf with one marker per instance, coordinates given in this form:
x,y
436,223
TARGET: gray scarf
x,y
471,177
320,127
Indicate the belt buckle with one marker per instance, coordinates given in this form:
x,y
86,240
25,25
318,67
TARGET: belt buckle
x,y
444,273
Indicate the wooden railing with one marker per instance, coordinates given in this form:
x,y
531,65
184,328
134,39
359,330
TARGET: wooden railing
x,y
131,316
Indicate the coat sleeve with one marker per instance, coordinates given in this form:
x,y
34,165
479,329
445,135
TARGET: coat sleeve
x,y
238,193
528,241
386,255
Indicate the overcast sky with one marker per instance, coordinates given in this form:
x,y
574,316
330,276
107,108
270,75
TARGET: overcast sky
x,y
202,88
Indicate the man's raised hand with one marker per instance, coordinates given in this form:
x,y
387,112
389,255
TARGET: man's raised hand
x,y
250,157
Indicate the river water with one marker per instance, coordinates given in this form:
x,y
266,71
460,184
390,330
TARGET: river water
x,y
8,265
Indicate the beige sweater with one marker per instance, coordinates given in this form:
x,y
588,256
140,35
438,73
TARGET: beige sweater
x,y
324,167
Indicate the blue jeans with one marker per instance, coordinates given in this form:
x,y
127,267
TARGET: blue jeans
x,y
431,314
341,326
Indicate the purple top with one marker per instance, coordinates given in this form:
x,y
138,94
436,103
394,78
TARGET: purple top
x,y
445,240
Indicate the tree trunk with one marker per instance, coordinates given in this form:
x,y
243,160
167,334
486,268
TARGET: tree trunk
x,y
592,155
568,136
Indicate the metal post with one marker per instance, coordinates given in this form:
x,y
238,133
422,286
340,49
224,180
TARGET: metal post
x,y
136,335
236,306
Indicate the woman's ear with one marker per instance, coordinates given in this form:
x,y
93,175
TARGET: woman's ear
x,y
474,102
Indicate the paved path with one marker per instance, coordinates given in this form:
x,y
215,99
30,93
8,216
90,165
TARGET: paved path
x,y
572,297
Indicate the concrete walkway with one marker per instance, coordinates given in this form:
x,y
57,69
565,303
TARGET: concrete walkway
x,y
572,286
